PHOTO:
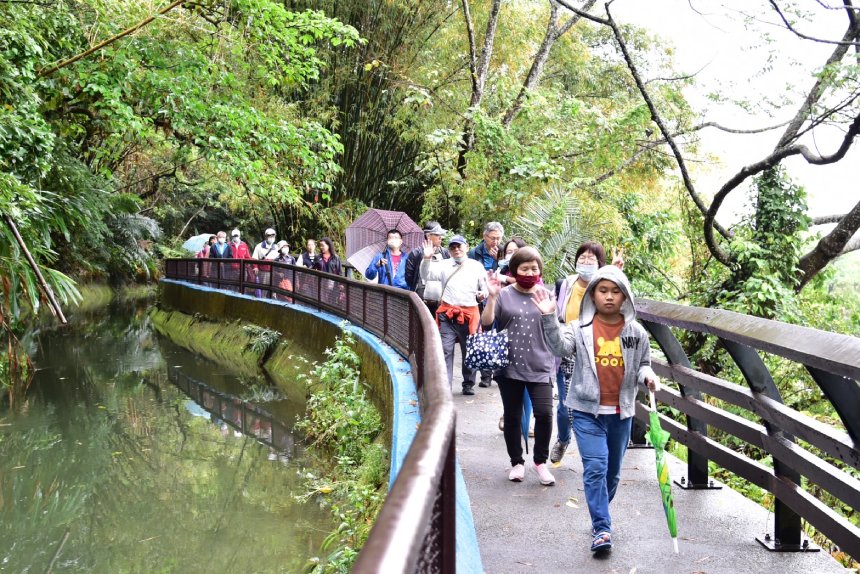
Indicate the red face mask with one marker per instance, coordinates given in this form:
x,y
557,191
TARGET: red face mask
x,y
527,281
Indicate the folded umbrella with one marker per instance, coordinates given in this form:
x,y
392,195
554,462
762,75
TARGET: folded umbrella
x,y
527,417
659,438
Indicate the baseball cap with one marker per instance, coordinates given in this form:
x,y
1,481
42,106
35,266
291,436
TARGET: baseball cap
x,y
434,229
270,231
458,239
235,233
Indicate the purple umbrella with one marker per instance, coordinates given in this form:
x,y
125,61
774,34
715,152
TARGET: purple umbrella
x,y
367,235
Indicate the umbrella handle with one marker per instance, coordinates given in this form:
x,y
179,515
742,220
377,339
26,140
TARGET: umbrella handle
x,y
653,402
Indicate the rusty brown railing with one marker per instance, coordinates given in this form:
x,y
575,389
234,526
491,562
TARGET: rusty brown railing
x,y
415,530
832,360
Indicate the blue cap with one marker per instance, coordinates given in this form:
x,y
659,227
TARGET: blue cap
x,y
458,239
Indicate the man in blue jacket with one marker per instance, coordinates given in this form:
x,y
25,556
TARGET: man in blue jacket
x,y
487,251
390,265
487,254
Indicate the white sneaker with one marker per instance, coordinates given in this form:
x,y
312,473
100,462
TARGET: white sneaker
x,y
546,477
517,473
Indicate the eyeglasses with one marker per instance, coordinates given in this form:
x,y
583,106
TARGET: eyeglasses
x,y
267,235
234,236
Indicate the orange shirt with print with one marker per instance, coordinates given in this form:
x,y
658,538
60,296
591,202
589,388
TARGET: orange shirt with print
x,y
608,360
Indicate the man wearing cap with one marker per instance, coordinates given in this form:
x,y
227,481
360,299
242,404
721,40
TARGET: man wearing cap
x,y
428,291
238,248
389,265
267,249
464,285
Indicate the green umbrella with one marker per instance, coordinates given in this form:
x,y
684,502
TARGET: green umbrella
x,y
659,438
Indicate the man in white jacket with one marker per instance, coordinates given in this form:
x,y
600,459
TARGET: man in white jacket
x,y
464,285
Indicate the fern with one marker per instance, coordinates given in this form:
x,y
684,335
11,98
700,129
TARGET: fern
x,y
555,225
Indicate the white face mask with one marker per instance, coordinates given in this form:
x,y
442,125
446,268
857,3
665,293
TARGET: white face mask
x,y
586,270
236,240
221,240
270,240
459,259
285,252
395,243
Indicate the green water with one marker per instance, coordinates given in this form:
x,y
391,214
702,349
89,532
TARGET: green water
x,y
107,466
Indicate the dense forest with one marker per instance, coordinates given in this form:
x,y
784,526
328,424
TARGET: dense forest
x,y
127,126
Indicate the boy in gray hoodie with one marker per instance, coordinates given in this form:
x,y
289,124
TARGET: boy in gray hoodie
x,y
602,390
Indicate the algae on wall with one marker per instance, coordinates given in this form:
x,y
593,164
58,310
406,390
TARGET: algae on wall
x,y
231,345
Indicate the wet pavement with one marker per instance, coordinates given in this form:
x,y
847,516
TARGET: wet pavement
x,y
526,527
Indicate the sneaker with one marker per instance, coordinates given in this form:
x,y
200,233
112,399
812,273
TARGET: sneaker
x,y
557,452
517,473
602,542
546,477
485,384
468,389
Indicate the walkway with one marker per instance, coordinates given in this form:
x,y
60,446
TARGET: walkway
x,y
527,527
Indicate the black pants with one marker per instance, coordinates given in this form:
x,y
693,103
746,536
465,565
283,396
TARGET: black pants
x,y
512,399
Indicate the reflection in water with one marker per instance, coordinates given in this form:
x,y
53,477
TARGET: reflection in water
x,y
107,468
230,411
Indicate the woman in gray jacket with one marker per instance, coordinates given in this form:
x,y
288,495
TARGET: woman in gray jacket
x,y
613,357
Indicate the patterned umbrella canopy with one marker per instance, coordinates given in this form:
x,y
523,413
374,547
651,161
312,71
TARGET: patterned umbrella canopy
x,y
366,236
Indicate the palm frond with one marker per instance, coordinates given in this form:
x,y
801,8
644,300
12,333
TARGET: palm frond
x,y
555,225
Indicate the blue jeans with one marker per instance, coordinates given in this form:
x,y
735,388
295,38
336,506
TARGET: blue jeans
x,y
562,413
602,441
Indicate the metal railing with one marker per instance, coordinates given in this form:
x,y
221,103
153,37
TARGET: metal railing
x,y
832,360
232,411
415,530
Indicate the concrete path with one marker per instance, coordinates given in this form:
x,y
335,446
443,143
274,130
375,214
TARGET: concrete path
x,y
525,527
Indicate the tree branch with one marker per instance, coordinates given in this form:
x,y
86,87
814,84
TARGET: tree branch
x,y
583,14
670,140
769,162
805,36
852,245
111,40
738,131
479,80
825,219
46,288
815,93
553,33
830,247
473,48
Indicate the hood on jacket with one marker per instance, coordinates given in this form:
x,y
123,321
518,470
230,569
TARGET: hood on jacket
x,y
617,276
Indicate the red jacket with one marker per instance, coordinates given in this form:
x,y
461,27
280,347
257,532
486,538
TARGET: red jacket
x,y
240,251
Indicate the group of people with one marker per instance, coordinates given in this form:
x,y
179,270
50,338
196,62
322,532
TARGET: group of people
x,y
581,334
269,249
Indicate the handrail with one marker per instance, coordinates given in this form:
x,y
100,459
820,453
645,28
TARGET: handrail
x,y
832,360
415,529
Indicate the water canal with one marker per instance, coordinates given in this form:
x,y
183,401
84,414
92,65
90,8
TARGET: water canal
x,y
108,465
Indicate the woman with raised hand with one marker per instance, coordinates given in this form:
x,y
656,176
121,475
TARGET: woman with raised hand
x,y
590,256
531,361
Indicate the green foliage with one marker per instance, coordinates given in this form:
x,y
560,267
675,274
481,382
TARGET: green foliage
x,y
555,225
262,340
343,423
